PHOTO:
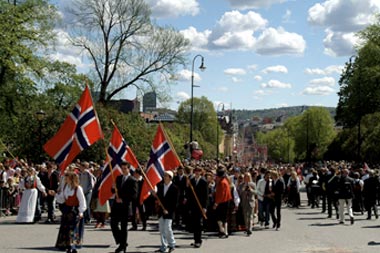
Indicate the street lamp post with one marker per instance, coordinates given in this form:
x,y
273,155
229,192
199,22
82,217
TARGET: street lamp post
x,y
217,132
202,68
40,117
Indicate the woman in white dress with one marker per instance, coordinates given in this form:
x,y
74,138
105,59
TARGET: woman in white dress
x,y
30,184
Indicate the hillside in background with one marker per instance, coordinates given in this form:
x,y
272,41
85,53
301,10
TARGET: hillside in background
x,y
275,113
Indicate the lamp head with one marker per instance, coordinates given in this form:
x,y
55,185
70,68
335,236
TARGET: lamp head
x,y
202,67
40,115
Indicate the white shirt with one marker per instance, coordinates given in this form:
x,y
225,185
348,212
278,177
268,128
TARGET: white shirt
x,y
166,187
68,191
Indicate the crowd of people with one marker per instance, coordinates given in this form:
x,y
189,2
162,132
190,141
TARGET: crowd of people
x,y
200,196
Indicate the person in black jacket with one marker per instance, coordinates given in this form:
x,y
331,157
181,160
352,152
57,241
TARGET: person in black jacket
x,y
278,190
200,187
50,179
167,193
126,192
345,195
136,204
331,191
181,216
370,189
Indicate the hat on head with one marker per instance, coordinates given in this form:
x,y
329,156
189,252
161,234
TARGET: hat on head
x,y
220,173
170,173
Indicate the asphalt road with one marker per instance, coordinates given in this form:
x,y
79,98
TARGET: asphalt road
x,y
303,230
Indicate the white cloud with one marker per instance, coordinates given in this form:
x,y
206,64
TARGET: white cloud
x,y
235,71
185,75
199,40
332,69
259,92
325,81
286,17
249,4
318,91
182,96
339,43
173,8
258,78
223,89
236,21
236,80
239,40
276,84
275,69
282,105
237,31
341,20
278,42
252,67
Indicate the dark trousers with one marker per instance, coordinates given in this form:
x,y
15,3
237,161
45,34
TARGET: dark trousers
x,y
120,233
324,202
196,221
136,206
50,206
332,201
267,204
276,212
371,205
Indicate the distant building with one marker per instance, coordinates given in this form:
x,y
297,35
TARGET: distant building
x,y
125,105
149,102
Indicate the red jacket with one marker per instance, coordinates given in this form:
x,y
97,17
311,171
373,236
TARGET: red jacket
x,y
223,192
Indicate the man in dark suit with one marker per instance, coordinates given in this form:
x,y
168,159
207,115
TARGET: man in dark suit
x,y
167,193
136,204
180,214
126,192
278,190
198,209
370,189
50,179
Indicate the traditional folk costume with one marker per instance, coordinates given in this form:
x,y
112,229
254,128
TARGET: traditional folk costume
x,y
70,234
27,209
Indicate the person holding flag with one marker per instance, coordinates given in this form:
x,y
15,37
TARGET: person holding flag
x,y
125,189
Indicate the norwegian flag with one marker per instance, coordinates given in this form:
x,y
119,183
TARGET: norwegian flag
x,y
80,130
118,151
162,157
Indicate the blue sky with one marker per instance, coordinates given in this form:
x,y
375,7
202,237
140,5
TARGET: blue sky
x,y
263,53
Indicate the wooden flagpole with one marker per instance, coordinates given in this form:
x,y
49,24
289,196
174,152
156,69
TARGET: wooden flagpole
x,y
110,166
7,149
187,178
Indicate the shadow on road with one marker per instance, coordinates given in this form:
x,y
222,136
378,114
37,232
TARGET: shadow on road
x,y
372,243
313,218
374,226
323,224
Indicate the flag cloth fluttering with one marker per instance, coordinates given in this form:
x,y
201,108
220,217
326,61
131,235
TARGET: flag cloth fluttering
x,y
80,130
162,157
118,151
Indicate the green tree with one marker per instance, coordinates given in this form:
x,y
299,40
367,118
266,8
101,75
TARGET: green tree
x,y
125,47
280,144
204,123
313,130
26,28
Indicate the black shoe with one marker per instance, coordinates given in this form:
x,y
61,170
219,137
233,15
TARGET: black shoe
x,y
121,249
274,225
171,249
47,221
144,228
159,250
329,216
352,220
249,232
133,229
